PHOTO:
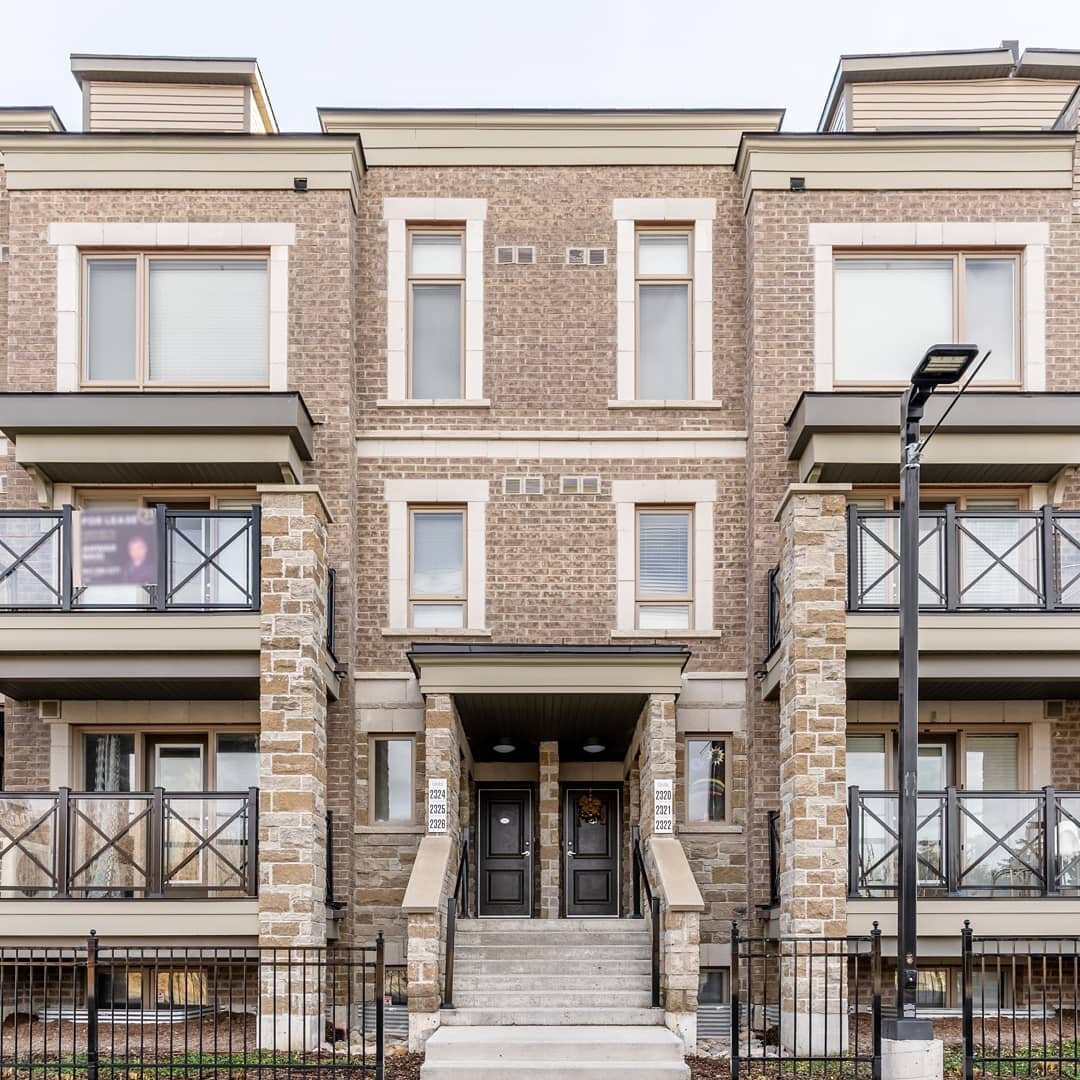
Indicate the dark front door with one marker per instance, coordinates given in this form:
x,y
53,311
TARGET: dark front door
x,y
505,866
591,850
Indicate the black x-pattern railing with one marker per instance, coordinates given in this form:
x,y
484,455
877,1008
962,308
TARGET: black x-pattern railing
x,y
64,844
979,846
26,583
959,564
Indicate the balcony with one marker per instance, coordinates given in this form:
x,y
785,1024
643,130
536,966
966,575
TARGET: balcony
x,y
193,632
128,863
970,843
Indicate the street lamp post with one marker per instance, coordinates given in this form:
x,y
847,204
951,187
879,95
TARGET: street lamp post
x,y
942,365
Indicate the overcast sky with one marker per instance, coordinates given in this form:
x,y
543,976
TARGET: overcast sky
x,y
543,53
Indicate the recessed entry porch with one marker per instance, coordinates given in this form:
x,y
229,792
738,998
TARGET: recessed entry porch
x,y
549,777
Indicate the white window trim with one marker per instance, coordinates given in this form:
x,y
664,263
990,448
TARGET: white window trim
x,y
71,237
473,495
1032,237
398,214
628,495
627,213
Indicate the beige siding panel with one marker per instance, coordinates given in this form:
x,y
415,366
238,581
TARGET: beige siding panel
x,y
114,106
1017,104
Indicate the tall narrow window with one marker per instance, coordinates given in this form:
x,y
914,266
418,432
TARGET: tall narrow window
x,y
664,303
664,569
436,307
437,575
706,780
393,780
111,348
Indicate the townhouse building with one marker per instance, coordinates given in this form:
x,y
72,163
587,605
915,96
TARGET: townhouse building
x,y
473,525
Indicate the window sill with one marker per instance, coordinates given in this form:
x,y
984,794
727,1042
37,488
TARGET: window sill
x,y
427,631
702,829
644,403
434,403
399,828
677,634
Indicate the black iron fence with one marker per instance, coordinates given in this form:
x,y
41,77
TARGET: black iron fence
x,y
774,611
207,560
103,1010
128,844
806,999
969,843
331,613
970,560
774,858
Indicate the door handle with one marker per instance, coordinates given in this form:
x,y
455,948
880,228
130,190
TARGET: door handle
x,y
569,851
526,853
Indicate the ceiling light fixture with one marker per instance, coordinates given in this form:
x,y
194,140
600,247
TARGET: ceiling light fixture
x,y
504,746
593,745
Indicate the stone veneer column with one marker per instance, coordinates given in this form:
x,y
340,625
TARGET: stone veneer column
x,y
549,830
681,935
813,703
292,757
427,929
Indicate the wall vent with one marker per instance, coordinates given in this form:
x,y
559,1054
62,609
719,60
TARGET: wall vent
x,y
49,709
598,256
523,485
1054,710
522,254
576,256
580,485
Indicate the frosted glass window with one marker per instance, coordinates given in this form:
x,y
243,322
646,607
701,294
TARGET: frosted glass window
x,y
887,312
664,255
990,315
393,780
438,616
438,553
437,254
664,617
237,761
991,762
664,342
111,347
208,320
436,341
866,764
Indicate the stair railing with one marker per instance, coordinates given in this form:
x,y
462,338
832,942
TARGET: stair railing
x,y
458,901
640,883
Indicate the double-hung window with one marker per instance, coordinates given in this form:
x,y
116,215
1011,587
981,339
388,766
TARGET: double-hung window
x,y
890,307
175,320
437,577
436,270
665,569
664,286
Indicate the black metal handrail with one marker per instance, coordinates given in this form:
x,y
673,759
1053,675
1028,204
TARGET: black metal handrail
x,y
774,611
459,901
207,560
94,844
970,560
970,843
640,883
774,858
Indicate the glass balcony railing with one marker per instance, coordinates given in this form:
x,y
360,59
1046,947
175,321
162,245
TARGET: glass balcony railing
x,y
969,843
196,560
99,845
974,560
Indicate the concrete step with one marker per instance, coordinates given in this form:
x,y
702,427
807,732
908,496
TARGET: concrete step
x,y
552,1053
503,939
608,982
543,926
550,1016
569,965
554,999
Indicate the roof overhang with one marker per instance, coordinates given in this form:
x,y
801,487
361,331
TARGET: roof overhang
x,y
169,437
1008,437
893,67
481,137
549,669
215,161
214,70
80,655
906,161
39,118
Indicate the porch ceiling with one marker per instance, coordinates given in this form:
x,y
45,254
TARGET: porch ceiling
x,y
532,718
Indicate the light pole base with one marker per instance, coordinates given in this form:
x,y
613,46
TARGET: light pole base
x,y
906,1029
912,1059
